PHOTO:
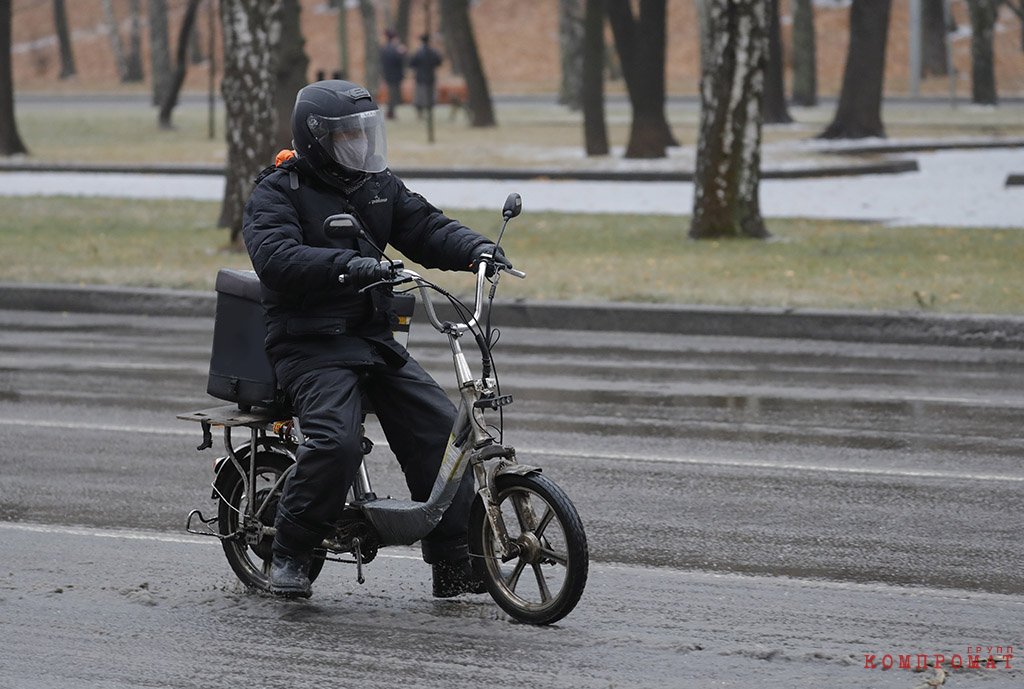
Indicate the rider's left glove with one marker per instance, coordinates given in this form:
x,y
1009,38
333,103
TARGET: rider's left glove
x,y
497,258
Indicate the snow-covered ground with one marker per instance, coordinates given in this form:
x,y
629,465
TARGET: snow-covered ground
x,y
952,188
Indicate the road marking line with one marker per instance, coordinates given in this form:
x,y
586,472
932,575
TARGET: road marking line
x,y
586,454
745,464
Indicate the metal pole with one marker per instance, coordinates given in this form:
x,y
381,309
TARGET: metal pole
x,y
915,48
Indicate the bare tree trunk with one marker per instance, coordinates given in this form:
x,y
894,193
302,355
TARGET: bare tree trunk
x,y
703,28
805,60
252,32
933,38
133,61
67,56
343,66
595,130
371,51
159,49
859,113
402,20
462,43
983,73
570,40
170,96
195,46
114,34
641,46
728,175
10,140
292,68
774,102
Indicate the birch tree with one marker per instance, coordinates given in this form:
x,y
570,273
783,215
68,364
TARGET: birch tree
x,y
252,34
728,174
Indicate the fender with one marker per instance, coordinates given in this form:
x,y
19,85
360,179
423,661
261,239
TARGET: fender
x,y
518,470
225,471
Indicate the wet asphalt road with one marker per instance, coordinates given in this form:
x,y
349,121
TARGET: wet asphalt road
x,y
759,511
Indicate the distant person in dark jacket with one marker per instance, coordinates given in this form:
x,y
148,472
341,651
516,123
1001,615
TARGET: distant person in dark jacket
x,y
328,342
392,64
424,63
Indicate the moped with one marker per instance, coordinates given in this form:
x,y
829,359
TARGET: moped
x,y
526,540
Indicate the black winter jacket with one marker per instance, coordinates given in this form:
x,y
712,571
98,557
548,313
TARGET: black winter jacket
x,y
312,320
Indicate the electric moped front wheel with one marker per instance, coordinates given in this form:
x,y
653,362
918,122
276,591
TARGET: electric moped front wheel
x,y
545,580
250,554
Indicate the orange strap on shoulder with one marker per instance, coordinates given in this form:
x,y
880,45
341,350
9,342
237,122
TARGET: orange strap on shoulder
x,y
285,154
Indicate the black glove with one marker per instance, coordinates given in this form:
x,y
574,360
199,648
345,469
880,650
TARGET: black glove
x,y
498,258
362,270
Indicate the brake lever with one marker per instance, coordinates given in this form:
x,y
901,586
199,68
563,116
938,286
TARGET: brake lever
x,y
400,280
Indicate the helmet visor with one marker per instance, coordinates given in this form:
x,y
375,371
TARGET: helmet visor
x,y
355,142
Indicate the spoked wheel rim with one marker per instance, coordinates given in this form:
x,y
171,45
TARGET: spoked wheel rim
x,y
253,560
545,579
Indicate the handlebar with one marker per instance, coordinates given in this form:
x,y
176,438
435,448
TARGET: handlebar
x,y
424,286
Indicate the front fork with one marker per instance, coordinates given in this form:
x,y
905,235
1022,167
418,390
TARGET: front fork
x,y
491,462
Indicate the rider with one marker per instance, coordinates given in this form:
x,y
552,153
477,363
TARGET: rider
x,y
328,342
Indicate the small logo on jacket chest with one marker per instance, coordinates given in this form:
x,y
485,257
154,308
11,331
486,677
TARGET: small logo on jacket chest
x,y
377,199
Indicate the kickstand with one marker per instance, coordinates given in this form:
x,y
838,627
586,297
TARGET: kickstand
x,y
358,552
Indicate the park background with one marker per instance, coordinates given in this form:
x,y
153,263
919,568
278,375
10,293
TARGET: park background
x,y
93,119
517,40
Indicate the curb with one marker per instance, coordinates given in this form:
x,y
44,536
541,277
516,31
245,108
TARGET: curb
x,y
1003,332
921,147
893,167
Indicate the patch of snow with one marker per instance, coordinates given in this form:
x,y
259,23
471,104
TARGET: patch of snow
x,y
965,188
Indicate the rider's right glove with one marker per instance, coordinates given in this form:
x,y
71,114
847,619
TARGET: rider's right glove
x,y
362,270
498,258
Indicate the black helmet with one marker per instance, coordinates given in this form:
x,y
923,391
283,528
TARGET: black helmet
x,y
338,127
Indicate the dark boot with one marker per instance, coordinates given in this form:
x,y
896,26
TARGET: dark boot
x,y
289,576
455,577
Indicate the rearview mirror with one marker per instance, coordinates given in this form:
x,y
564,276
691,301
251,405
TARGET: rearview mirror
x,y
342,226
513,206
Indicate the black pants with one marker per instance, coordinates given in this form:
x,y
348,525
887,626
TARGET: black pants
x,y
417,418
394,97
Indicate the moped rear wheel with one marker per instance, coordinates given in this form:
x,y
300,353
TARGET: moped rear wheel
x,y
546,580
251,561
